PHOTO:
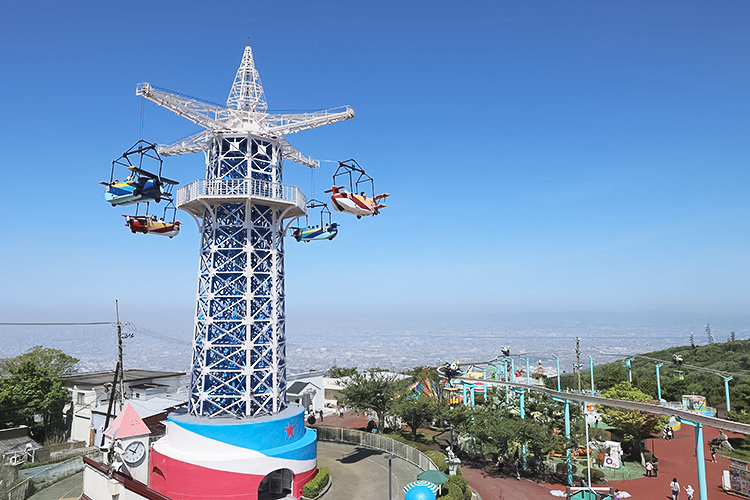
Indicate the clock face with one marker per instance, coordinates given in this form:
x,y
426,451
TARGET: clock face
x,y
133,452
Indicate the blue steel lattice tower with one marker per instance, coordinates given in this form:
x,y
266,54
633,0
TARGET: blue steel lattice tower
x,y
239,359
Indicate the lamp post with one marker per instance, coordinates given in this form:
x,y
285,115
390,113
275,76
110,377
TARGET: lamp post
x,y
591,372
390,476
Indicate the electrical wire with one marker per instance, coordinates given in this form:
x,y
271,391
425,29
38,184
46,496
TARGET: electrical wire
x,y
59,324
149,333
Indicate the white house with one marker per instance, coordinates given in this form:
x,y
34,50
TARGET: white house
x,y
306,389
91,390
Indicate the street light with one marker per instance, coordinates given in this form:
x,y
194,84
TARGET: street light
x,y
390,476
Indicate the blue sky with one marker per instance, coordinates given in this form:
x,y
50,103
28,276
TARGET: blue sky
x,y
541,156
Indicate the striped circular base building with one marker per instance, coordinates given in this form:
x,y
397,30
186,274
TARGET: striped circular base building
x,y
217,458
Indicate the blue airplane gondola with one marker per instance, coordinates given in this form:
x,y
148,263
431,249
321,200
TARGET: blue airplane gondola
x,y
140,185
325,231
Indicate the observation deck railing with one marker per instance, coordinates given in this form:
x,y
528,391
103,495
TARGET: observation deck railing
x,y
237,189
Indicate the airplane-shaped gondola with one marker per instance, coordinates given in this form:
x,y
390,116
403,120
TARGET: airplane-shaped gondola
x,y
308,234
141,185
149,224
327,230
349,201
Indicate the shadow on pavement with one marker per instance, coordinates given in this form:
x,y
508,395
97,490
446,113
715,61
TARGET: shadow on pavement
x,y
360,454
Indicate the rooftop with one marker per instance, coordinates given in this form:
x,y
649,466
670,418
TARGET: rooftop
x,y
100,378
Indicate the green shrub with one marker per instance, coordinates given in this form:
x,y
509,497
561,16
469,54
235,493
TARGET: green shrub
x,y
456,489
597,476
439,459
313,487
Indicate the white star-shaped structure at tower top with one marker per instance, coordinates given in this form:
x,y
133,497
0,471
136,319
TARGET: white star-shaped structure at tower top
x,y
246,111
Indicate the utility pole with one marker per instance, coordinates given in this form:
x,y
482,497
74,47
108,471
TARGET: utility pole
x,y
120,336
578,361
119,352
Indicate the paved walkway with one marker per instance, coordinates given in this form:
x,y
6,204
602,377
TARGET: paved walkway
x,y
677,460
68,489
362,473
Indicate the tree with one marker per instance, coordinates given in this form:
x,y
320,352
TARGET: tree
x,y
31,392
53,362
373,389
634,423
339,372
414,409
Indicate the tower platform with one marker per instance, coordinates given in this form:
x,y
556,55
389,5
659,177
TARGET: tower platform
x,y
201,458
194,197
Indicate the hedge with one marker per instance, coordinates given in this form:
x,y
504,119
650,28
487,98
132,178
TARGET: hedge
x,y
439,458
456,489
313,487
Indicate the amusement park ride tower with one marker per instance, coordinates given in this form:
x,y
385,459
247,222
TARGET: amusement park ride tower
x,y
239,433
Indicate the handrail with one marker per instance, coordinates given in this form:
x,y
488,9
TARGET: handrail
x,y
378,442
240,188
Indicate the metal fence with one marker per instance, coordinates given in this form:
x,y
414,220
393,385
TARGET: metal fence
x,y
378,442
39,477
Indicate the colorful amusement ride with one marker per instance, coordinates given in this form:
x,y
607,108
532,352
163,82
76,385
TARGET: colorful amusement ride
x,y
239,437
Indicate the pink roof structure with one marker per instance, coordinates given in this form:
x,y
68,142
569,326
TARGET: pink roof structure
x,y
127,424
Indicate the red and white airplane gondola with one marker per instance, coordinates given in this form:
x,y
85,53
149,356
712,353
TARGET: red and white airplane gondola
x,y
149,224
348,201
355,204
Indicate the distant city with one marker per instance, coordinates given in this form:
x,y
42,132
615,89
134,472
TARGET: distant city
x,y
394,347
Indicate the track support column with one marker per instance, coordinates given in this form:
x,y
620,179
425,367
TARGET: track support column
x,y
700,458
557,361
726,390
658,380
568,457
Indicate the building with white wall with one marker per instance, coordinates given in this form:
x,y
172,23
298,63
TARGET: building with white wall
x,y
91,390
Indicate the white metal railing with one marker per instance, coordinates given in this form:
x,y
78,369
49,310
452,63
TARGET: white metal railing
x,y
240,188
378,442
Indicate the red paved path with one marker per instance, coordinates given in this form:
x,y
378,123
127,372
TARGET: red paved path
x,y
676,459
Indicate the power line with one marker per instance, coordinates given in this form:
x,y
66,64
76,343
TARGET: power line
x,y
58,324
144,331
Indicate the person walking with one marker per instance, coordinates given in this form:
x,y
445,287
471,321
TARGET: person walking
x,y
712,450
675,488
655,468
689,491
649,469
